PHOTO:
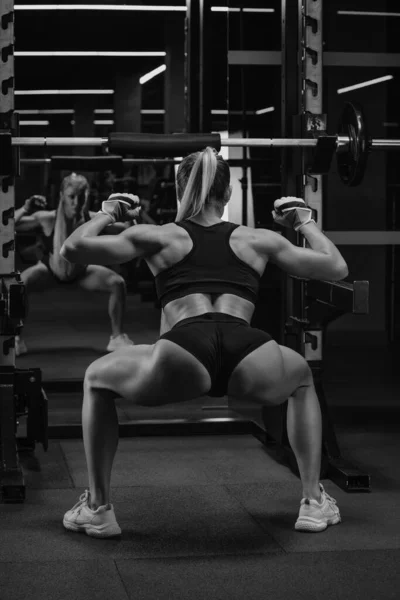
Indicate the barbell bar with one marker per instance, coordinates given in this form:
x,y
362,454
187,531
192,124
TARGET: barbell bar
x,y
241,142
352,144
342,142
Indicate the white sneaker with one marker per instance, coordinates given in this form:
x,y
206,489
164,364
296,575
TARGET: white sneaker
x,y
314,516
20,346
119,341
100,523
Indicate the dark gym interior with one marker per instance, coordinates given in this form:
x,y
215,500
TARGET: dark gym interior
x,y
207,496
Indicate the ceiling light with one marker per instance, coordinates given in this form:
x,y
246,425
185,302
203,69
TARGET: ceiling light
x,y
103,122
50,111
130,8
61,92
246,10
152,74
88,54
357,86
363,13
262,111
124,7
34,123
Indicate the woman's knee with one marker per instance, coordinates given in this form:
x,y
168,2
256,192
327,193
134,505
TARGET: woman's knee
x,y
307,377
92,375
119,371
102,371
296,373
302,376
115,281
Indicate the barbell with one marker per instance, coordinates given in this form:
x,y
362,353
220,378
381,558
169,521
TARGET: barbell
x,y
352,144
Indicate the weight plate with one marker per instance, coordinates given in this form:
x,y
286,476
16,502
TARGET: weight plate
x,y
352,164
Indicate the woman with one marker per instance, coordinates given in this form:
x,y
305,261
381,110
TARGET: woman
x,y
55,226
207,273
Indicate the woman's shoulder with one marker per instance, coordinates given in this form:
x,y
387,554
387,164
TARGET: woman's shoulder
x,y
46,215
45,218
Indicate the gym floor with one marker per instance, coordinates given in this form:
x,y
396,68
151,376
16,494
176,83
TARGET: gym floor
x,y
207,517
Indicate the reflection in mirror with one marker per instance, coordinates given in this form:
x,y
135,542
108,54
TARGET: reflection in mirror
x,y
77,314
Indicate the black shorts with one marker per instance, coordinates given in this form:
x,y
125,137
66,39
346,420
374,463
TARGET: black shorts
x,y
64,282
219,342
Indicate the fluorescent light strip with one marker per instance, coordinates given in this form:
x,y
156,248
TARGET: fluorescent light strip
x,y
117,7
144,111
61,92
357,86
110,111
391,124
152,74
156,111
34,123
88,54
245,10
99,122
262,111
103,111
231,112
50,111
363,13
136,8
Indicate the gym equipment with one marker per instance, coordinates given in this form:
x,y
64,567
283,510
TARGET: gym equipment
x,y
352,145
353,163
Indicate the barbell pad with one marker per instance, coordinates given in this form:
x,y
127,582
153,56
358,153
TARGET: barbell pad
x,y
86,163
154,145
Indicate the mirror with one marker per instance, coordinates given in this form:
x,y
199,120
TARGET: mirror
x,y
71,314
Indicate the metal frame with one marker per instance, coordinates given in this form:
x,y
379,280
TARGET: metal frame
x,y
330,59
364,238
310,305
10,470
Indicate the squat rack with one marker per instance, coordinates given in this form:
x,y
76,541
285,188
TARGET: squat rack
x,y
21,390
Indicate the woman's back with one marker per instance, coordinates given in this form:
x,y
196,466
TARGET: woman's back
x,y
207,268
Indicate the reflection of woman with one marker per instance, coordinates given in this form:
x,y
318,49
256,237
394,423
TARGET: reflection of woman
x,y
55,226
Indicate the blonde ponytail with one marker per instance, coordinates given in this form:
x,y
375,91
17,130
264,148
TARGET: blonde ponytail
x,y
197,189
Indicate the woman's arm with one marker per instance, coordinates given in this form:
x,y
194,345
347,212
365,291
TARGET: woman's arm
x,y
113,228
31,206
86,246
164,327
19,213
31,222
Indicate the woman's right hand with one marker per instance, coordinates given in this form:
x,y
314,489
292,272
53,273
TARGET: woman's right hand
x,y
122,207
292,212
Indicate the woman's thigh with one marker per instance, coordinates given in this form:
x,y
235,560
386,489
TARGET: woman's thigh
x,y
270,374
154,375
37,278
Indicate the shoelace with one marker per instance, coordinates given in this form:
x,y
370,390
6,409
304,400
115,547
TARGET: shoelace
x,y
79,505
332,500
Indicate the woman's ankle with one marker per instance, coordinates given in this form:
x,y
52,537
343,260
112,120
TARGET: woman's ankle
x,y
97,500
313,494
